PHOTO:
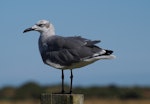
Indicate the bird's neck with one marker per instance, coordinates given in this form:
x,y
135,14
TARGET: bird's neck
x,y
46,34
50,32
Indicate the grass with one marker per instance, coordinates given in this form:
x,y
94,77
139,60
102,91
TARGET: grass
x,y
89,101
116,101
20,102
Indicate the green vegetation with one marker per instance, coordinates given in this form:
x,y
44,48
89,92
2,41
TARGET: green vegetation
x,y
33,91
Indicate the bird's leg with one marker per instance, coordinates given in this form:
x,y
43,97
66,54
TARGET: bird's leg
x,y
62,90
71,77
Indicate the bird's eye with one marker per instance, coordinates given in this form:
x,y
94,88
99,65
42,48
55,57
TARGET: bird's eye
x,y
40,25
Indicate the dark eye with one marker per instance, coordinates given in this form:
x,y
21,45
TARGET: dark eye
x,y
40,25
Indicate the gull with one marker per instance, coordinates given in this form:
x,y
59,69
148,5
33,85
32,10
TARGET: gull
x,y
67,52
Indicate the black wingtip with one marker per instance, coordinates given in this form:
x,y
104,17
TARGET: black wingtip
x,y
108,52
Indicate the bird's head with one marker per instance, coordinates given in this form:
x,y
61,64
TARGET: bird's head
x,y
42,26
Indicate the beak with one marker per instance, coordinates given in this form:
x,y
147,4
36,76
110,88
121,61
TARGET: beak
x,y
28,29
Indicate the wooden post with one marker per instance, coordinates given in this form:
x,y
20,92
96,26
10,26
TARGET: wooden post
x,y
62,98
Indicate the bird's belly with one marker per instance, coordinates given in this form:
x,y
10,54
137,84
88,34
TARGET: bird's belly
x,y
72,66
79,64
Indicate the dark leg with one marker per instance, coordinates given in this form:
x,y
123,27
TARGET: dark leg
x,y
62,90
71,77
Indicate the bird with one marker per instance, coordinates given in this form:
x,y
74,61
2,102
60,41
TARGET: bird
x,y
67,53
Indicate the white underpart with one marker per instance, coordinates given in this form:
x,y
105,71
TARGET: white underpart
x,y
79,64
58,66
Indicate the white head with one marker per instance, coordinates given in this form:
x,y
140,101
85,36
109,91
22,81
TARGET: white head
x,y
42,26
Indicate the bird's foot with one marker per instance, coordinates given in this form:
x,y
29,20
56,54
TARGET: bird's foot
x,y
63,92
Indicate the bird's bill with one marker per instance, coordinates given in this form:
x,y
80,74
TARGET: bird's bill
x,y
28,29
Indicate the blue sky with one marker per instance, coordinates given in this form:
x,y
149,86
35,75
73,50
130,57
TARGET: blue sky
x,y
121,25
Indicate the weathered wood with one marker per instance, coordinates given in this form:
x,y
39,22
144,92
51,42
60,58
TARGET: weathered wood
x,y
62,98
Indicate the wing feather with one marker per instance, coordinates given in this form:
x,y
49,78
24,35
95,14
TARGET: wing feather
x,y
68,50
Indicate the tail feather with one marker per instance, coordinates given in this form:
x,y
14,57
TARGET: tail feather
x,y
104,54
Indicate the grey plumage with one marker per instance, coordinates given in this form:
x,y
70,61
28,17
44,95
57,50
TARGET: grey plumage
x,y
68,50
